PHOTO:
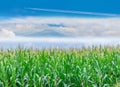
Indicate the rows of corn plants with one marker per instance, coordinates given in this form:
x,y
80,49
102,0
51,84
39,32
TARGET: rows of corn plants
x,y
86,67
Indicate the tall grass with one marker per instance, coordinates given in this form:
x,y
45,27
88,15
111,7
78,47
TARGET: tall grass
x,y
86,67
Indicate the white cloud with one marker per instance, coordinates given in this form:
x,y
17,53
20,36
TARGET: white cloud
x,y
6,33
72,26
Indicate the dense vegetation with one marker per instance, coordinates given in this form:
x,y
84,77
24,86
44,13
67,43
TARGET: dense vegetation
x,y
86,67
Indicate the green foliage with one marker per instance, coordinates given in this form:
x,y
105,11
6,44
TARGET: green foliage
x,y
86,67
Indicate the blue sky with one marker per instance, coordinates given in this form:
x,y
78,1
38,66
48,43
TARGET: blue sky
x,y
16,7
25,18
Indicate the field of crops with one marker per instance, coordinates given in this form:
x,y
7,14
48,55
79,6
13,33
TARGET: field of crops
x,y
86,67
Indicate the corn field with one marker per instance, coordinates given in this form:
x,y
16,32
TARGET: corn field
x,y
86,67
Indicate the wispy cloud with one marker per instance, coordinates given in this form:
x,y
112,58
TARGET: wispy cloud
x,y
67,26
74,12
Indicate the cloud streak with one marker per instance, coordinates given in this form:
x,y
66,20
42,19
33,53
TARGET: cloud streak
x,y
74,12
